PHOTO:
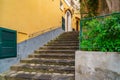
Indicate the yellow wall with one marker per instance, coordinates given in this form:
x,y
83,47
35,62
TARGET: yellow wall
x,y
29,16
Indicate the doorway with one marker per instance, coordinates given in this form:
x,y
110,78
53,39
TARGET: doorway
x,y
68,21
77,25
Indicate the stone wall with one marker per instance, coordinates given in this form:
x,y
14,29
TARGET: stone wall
x,y
108,6
97,66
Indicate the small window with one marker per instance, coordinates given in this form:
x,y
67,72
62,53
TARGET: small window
x,y
61,5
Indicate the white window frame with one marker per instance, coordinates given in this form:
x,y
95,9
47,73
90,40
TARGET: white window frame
x,y
67,2
61,5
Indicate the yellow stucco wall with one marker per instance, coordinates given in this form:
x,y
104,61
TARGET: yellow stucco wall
x,y
29,16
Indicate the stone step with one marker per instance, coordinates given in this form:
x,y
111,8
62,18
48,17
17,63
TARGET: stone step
x,y
61,41
22,75
67,37
60,47
54,51
62,37
71,32
53,56
62,44
64,62
66,40
70,35
44,68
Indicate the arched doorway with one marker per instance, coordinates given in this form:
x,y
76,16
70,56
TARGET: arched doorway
x,y
68,21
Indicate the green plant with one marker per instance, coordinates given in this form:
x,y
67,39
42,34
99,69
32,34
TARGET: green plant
x,y
102,34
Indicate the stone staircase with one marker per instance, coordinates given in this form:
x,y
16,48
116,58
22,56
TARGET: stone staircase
x,y
53,61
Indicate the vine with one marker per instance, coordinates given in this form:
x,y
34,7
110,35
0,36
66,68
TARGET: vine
x,y
89,7
101,34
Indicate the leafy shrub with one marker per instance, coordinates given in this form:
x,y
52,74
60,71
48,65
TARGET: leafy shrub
x,y
102,34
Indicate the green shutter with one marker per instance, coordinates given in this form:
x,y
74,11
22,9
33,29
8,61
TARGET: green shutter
x,y
63,23
8,43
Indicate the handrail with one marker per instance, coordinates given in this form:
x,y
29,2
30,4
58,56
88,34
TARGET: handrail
x,y
22,33
41,32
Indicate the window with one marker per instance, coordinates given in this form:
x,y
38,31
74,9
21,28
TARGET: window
x,y
67,2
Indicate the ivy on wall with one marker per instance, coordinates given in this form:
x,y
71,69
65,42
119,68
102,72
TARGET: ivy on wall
x,y
89,8
101,34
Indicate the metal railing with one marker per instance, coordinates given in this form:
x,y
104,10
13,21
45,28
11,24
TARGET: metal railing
x,y
22,33
84,28
41,32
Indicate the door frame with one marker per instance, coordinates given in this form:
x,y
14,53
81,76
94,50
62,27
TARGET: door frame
x,y
77,25
68,21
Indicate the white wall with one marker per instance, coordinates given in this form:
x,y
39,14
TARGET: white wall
x,y
68,21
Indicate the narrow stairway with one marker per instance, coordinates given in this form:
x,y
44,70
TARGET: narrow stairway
x,y
53,61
